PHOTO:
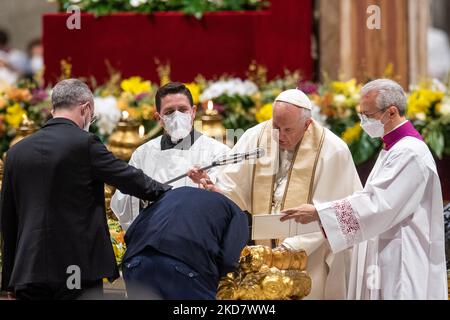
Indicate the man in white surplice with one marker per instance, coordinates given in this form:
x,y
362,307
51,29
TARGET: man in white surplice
x,y
172,154
303,160
396,222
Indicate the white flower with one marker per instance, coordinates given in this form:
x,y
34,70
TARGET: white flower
x,y
339,99
445,107
137,3
318,116
421,116
230,87
108,114
437,85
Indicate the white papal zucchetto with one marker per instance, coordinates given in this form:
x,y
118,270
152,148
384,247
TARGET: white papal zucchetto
x,y
295,97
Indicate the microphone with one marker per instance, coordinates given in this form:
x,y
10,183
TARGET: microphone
x,y
227,159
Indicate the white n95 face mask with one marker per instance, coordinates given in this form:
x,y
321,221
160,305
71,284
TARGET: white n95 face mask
x,y
178,125
373,127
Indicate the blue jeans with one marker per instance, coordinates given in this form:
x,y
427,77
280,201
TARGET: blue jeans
x,y
153,275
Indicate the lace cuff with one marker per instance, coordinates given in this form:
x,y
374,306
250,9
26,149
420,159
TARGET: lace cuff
x,y
347,220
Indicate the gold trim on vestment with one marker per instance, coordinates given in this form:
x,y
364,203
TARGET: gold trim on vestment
x,y
300,184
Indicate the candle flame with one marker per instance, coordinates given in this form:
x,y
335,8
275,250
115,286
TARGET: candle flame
x,y
210,105
125,115
141,131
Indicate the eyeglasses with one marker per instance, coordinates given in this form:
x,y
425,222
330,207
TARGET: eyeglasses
x,y
366,116
93,120
94,117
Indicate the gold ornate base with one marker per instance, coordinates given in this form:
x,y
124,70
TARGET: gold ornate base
x,y
267,274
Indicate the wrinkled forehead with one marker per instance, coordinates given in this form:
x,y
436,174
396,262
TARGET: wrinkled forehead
x,y
286,114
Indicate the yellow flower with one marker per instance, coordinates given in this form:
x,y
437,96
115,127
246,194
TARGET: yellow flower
x,y
14,115
147,111
135,85
122,104
352,134
346,88
421,100
264,113
195,91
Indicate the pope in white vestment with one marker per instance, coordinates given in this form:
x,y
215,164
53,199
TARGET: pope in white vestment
x,y
395,225
284,178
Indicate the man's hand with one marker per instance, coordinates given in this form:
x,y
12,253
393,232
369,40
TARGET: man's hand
x,y
304,214
196,174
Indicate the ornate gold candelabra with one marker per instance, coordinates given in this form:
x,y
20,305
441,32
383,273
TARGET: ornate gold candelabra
x,y
212,122
267,274
126,138
26,128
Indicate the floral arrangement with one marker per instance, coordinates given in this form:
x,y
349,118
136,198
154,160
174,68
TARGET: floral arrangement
x,y
245,103
233,99
117,239
131,99
25,101
338,103
191,7
242,103
429,110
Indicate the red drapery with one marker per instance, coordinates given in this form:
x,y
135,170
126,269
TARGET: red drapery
x,y
221,42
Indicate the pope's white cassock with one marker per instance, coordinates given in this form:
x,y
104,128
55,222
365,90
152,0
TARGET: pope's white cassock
x,y
163,163
396,223
285,179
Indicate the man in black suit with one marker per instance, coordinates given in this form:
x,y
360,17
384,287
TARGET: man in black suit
x,y
180,246
56,242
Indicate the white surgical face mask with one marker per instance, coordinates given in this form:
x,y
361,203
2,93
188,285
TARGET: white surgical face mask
x,y
87,123
373,127
178,125
36,64
87,126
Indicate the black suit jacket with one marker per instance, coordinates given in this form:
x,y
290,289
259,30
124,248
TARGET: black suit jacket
x,y
204,229
52,207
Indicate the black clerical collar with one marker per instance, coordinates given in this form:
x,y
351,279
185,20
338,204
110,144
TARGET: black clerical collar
x,y
182,144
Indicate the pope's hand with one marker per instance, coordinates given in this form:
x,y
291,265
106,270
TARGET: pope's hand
x,y
196,174
207,184
304,214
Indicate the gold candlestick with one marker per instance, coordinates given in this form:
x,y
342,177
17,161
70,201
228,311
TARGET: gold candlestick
x,y
212,122
26,128
126,138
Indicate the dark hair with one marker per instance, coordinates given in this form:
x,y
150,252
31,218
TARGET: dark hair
x,y
172,88
4,38
33,43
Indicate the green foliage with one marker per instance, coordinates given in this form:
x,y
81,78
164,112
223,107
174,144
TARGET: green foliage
x,y
364,149
195,8
239,111
436,134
